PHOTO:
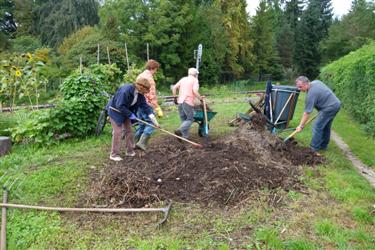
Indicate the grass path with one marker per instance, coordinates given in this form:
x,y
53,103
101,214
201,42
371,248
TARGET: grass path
x,y
366,172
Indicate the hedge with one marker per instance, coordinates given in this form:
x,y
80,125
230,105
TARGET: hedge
x,y
352,77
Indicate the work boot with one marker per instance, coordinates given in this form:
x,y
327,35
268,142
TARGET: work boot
x,y
143,141
178,132
137,136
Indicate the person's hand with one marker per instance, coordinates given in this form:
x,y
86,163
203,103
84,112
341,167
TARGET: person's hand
x,y
133,117
175,100
154,121
299,128
159,112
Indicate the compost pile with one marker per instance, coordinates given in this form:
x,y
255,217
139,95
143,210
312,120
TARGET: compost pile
x,y
230,170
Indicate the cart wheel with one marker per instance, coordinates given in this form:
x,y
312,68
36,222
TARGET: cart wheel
x,y
102,120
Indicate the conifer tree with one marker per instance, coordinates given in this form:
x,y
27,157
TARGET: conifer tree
x,y
263,35
312,29
56,19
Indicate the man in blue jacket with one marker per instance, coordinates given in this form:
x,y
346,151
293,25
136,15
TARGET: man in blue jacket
x,y
122,109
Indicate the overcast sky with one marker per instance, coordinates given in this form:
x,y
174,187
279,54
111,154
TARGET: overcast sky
x,y
340,7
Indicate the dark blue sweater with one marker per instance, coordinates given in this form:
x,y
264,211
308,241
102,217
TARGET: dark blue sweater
x,y
122,100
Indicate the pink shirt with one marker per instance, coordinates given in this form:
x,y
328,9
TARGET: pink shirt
x,y
186,86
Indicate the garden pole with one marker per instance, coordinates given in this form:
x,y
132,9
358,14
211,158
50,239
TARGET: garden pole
x,y
126,55
3,244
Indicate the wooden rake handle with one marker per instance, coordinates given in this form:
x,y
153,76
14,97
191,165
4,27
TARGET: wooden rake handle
x,y
295,132
166,131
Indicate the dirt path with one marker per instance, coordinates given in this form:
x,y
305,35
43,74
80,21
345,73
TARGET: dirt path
x,y
365,171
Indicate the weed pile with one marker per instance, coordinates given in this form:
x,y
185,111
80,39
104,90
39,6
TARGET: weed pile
x,y
227,172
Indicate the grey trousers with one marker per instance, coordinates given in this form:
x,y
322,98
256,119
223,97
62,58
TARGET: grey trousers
x,y
117,134
187,118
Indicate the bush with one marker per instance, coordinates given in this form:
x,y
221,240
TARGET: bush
x,y
23,44
77,113
353,79
74,116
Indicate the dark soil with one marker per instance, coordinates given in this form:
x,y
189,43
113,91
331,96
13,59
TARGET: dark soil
x,y
228,171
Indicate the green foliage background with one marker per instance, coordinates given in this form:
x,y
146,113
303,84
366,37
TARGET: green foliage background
x,y
352,77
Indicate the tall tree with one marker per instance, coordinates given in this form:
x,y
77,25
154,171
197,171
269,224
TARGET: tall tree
x,y
235,20
351,32
263,35
286,36
56,19
312,29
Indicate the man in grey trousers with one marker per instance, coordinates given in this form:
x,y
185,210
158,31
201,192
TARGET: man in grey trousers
x,y
318,96
188,90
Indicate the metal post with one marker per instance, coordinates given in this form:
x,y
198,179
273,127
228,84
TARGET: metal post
x,y
199,56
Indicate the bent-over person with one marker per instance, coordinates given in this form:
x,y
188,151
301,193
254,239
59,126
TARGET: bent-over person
x,y
122,109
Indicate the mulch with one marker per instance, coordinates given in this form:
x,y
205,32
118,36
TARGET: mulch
x,y
225,173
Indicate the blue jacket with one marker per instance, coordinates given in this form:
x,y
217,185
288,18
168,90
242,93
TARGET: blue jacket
x,y
122,100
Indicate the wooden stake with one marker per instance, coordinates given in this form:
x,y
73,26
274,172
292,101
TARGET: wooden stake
x,y
98,55
80,65
126,55
109,59
148,57
3,244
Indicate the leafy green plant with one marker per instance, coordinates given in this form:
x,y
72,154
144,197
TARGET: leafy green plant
x,y
75,115
21,76
78,111
132,73
109,75
352,79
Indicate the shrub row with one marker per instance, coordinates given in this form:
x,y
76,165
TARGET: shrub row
x,y
352,77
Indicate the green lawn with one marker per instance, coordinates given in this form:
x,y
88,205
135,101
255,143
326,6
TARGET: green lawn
x,y
335,211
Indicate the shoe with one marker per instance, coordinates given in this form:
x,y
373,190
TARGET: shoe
x,y
143,141
178,132
115,158
131,154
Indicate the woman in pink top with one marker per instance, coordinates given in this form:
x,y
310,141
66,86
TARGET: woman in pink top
x,y
188,90
143,132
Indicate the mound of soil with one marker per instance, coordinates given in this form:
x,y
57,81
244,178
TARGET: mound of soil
x,y
226,172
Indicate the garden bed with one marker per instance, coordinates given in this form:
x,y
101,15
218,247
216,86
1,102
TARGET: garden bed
x,y
232,169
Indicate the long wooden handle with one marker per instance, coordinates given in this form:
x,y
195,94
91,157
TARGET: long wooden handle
x,y
205,116
3,243
166,131
295,132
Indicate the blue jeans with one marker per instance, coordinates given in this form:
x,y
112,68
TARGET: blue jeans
x,y
321,131
143,128
186,113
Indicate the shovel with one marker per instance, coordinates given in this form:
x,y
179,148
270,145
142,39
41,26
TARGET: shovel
x,y
205,121
295,132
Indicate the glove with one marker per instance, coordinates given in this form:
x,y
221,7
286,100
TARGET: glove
x,y
133,117
159,111
175,100
154,121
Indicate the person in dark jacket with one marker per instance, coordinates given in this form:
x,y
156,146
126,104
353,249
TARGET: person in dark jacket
x,y
122,109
